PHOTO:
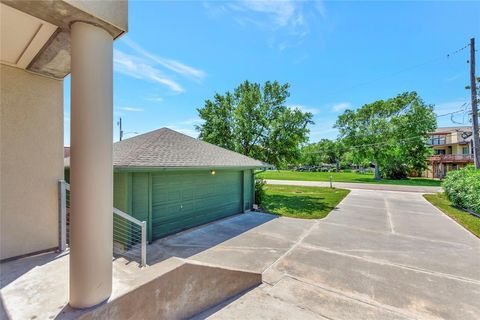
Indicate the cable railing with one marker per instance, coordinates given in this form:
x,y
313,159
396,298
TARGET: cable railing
x,y
129,234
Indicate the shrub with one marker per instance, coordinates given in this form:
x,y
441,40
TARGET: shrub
x,y
394,170
259,191
462,188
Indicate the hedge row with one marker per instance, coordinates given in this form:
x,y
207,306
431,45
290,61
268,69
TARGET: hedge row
x,y
462,188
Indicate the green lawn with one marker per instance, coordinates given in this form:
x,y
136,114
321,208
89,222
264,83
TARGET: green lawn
x,y
342,177
301,202
470,222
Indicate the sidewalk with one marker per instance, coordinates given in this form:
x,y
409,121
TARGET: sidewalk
x,y
365,186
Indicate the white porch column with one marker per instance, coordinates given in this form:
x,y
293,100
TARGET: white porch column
x,y
91,172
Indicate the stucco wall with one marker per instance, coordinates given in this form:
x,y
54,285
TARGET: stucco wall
x,y
31,161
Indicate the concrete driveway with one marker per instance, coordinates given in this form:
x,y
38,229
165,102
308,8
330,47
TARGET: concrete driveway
x,y
379,255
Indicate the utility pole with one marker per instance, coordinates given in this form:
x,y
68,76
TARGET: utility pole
x,y
473,89
120,127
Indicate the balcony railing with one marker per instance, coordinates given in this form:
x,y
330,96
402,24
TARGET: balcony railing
x,y
452,158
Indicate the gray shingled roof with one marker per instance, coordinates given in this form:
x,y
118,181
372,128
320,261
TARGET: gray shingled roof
x,y
453,129
166,148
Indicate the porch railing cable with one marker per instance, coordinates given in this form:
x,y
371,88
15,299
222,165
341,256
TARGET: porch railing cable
x,y
129,234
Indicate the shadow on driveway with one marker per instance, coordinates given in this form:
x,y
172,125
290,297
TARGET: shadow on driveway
x,y
194,241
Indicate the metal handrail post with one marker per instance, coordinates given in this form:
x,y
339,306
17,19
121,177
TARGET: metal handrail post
x,y
64,187
62,215
144,244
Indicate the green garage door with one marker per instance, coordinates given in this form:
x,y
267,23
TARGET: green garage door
x,y
184,200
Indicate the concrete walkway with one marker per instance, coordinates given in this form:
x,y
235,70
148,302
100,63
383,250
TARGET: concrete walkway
x,y
366,186
379,255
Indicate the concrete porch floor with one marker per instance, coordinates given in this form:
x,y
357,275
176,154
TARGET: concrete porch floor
x,y
36,287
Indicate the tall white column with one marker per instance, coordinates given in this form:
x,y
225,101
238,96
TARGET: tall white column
x,y
91,173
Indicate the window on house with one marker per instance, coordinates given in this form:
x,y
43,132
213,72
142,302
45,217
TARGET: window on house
x,y
436,140
439,151
465,150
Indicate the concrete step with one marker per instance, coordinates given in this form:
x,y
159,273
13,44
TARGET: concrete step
x,y
175,289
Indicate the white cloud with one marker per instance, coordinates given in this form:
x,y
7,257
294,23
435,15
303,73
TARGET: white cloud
x,y
173,65
341,106
191,121
460,109
282,13
323,129
455,77
450,106
215,9
141,69
288,19
131,109
156,99
188,131
303,108
320,6
186,126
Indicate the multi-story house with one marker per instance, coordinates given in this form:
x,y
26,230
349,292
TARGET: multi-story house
x,y
452,150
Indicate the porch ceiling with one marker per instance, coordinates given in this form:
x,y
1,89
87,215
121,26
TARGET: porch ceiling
x,y
22,36
36,34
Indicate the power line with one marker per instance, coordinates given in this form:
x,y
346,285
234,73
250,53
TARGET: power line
x,y
438,58
458,50
381,143
462,110
375,144
463,106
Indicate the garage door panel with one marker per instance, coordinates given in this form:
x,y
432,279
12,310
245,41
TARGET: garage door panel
x,y
205,191
185,200
164,228
174,215
188,194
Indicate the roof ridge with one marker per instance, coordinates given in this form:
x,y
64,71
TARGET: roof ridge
x,y
150,138
141,135
166,147
224,149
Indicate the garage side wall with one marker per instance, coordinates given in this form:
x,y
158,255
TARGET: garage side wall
x,y
121,191
131,194
248,190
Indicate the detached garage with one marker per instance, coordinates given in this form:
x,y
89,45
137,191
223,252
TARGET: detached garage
x,y
175,182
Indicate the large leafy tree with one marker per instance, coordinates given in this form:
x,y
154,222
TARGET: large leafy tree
x,y
254,121
390,133
310,155
324,151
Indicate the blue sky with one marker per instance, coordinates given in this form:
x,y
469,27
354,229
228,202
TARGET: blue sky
x,y
335,55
